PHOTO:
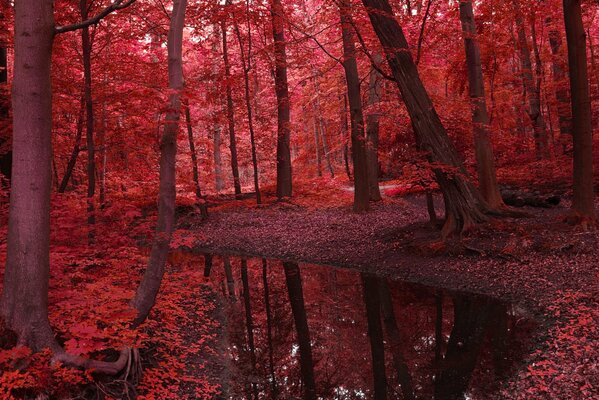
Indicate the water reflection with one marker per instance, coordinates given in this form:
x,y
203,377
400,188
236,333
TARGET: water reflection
x,y
313,332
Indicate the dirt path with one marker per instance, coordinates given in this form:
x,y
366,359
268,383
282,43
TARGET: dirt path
x,y
538,263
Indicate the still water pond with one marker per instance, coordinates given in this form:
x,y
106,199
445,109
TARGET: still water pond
x,y
300,331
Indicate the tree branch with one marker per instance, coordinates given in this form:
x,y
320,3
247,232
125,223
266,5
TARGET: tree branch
x,y
117,5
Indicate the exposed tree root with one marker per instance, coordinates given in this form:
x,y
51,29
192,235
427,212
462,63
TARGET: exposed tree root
x,y
585,222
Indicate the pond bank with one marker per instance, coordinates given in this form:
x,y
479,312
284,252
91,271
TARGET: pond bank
x,y
538,263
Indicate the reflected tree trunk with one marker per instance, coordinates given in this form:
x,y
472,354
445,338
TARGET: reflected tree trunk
x,y
249,322
207,265
229,277
471,318
394,336
370,290
298,308
271,362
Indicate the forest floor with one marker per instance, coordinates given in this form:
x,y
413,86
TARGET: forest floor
x,y
539,262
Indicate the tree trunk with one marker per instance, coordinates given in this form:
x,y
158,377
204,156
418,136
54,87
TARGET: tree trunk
x,y
561,90
271,362
230,110
583,209
194,165
485,161
344,134
358,145
372,131
75,153
145,297
370,291
217,129
247,65
89,122
532,91
471,319
24,303
284,185
465,207
249,321
317,143
296,298
403,374
5,151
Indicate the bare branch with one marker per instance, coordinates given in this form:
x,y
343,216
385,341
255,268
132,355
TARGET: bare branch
x,y
117,5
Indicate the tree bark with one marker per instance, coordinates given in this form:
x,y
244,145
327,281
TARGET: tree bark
x,y
249,321
5,151
372,131
344,133
76,149
298,308
271,362
532,91
284,183
89,122
485,161
217,129
230,110
465,206
194,165
352,78
370,292
583,209
561,90
145,297
24,303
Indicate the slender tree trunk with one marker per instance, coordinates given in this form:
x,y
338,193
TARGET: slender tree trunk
x,y
372,131
247,65
561,89
583,209
230,110
194,165
75,153
296,298
89,122
145,297
532,92
465,206
284,184
104,155
24,304
344,136
370,291
317,143
271,361
249,321
217,129
229,276
393,334
358,145
208,258
485,161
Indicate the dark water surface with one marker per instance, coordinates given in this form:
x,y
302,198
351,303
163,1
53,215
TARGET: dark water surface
x,y
300,331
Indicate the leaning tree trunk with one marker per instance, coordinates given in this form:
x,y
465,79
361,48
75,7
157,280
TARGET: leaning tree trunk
x,y
358,145
465,206
487,178
24,304
532,91
372,131
583,209
230,111
145,297
298,309
86,47
284,186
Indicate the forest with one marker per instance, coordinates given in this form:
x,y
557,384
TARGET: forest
x,y
299,199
